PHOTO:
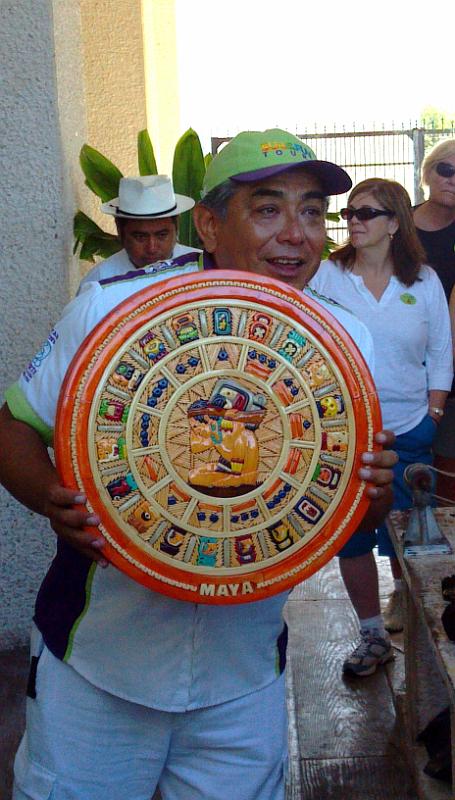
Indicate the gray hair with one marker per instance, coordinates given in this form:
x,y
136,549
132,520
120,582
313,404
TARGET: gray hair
x,y
218,198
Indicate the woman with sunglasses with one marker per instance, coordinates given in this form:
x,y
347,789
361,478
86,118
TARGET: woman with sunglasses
x,y
435,218
435,222
380,275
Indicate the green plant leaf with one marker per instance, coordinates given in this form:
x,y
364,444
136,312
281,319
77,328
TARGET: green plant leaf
x,y
145,154
93,241
88,250
207,159
188,172
83,225
333,216
101,175
99,246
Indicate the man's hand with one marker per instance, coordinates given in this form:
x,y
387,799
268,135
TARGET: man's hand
x,y
68,522
377,470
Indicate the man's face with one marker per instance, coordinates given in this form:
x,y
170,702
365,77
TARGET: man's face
x,y
274,227
147,241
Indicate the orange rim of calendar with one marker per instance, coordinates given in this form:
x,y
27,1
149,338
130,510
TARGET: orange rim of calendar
x,y
215,422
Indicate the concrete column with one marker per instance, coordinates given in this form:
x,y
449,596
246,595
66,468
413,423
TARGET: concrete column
x,y
162,88
114,84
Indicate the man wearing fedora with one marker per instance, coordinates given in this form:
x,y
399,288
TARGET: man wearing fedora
x,y
146,216
131,689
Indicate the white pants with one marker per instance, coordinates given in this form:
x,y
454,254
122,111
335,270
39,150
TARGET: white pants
x,y
82,743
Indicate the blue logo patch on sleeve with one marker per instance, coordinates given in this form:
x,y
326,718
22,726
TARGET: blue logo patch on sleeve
x,y
43,353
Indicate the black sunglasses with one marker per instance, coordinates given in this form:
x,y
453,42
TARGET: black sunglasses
x,y
444,169
364,213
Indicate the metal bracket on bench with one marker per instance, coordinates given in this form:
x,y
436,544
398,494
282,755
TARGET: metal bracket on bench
x,y
423,535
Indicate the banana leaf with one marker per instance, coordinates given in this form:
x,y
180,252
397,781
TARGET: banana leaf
x,y
188,172
145,154
92,240
333,216
99,246
101,175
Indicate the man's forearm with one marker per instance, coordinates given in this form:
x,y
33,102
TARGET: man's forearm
x,y
26,470
25,466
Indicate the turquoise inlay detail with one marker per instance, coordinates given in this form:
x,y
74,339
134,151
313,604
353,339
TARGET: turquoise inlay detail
x,y
216,435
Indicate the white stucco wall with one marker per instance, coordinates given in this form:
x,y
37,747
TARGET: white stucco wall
x,y
35,245
62,62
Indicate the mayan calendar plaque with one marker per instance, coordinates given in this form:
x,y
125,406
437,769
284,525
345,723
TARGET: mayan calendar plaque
x,y
215,422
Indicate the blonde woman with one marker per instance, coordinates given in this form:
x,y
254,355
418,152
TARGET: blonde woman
x,y
435,221
435,218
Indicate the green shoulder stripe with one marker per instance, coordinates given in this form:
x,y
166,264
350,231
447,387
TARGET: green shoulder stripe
x,y
21,409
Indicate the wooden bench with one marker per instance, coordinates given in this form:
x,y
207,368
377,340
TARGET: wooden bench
x,y
429,654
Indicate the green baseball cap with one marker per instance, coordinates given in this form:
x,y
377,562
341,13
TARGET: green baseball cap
x,y
254,155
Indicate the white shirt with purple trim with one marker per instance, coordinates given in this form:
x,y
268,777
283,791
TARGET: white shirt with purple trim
x,y
119,264
128,640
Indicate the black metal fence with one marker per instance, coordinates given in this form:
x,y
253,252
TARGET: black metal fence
x,y
394,154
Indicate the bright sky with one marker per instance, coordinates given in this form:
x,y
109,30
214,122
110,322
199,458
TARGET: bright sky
x,y
258,64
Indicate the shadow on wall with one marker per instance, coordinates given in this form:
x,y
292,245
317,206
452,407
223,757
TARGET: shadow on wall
x,y
14,672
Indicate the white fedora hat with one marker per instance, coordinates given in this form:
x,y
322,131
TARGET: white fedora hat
x,y
147,197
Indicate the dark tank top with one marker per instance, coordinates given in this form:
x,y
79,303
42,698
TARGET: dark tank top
x,y
440,249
